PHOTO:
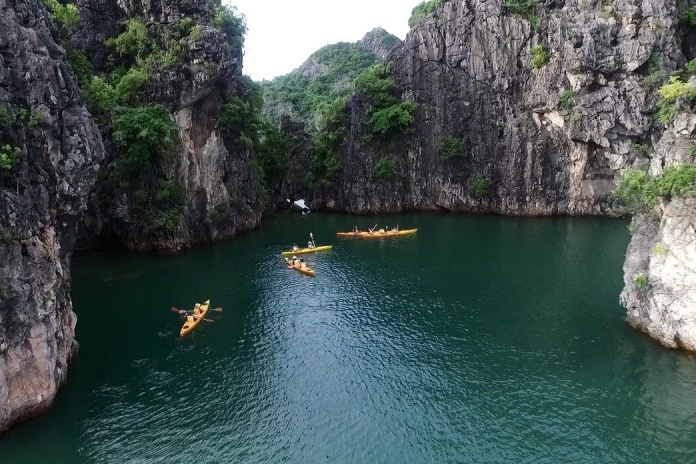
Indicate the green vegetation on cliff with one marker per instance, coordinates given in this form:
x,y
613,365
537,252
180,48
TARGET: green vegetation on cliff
x,y
640,193
422,10
122,93
243,124
388,114
9,155
309,91
326,142
142,134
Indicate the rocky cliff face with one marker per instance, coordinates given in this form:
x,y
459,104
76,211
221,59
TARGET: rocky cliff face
x,y
660,268
548,103
217,175
42,198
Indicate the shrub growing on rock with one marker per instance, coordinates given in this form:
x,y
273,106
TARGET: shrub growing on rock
x,y
384,168
143,133
422,10
481,186
540,57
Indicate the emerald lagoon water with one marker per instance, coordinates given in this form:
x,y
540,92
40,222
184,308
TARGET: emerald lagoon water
x,y
479,339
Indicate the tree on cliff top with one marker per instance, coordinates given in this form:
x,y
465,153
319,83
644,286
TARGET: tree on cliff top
x,y
422,10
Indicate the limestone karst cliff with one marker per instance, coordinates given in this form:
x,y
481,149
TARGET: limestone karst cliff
x,y
660,268
545,103
202,186
43,193
487,106
159,162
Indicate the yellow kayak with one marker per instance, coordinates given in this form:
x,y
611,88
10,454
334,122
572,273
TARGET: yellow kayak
x,y
195,319
378,234
298,267
302,251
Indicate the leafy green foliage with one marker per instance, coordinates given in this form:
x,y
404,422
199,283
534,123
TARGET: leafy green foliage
x,y
451,147
130,84
133,44
273,153
80,63
391,118
5,122
229,21
524,9
640,281
640,148
676,89
9,156
540,57
324,160
640,193
220,214
170,201
687,71
379,86
388,112
672,93
197,34
567,99
9,236
143,133
99,94
421,10
689,18
384,168
65,16
654,64
311,96
481,186
240,117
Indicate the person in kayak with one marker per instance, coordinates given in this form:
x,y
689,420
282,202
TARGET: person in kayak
x,y
295,247
310,244
294,260
303,265
187,316
355,229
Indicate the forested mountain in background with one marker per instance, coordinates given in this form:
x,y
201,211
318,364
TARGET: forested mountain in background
x,y
328,74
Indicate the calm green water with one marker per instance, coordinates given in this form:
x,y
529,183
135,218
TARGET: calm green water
x,y
480,339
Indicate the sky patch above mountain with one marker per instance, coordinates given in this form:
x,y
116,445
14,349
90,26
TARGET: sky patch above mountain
x,y
281,35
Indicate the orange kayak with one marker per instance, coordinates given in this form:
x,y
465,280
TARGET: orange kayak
x,y
298,267
193,321
377,234
348,234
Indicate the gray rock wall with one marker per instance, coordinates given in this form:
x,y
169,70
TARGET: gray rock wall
x,y
214,173
660,268
469,68
41,203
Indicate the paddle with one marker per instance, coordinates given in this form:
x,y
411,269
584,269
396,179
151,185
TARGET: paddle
x,y
177,310
183,311
373,228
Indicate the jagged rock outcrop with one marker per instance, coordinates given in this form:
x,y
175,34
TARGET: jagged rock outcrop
x,y
218,177
660,268
42,199
548,113
379,41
